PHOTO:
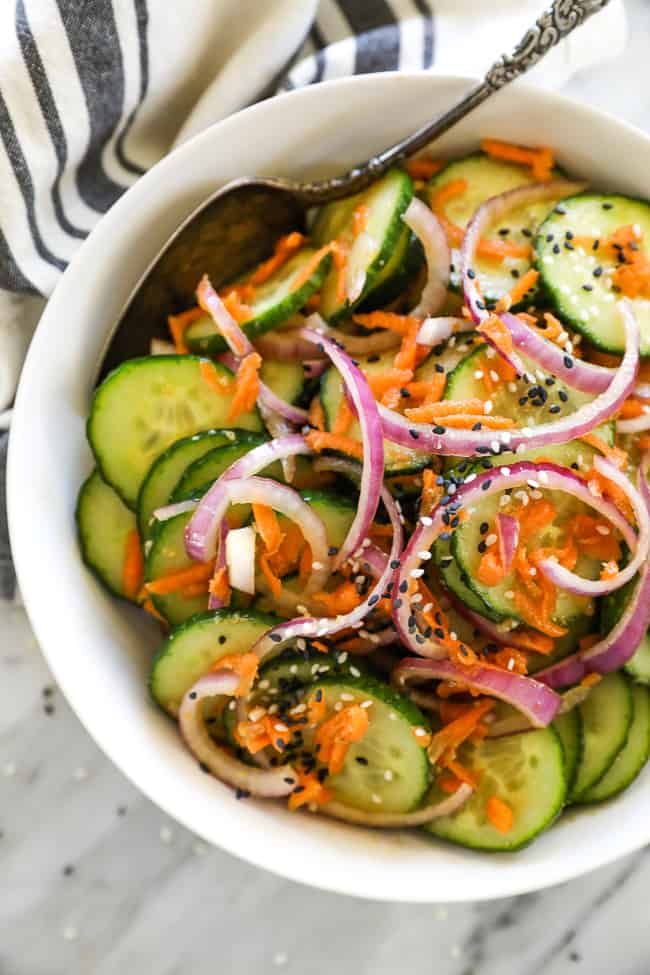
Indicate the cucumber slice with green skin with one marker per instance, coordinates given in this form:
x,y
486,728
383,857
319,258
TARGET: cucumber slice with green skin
x,y
165,472
398,460
370,251
485,178
569,729
631,759
393,774
285,379
104,524
564,274
193,649
144,406
611,610
212,464
276,300
527,772
401,269
606,719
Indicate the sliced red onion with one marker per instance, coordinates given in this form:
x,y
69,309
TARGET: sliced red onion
x,y
482,485
278,426
493,631
235,338
569,581
362,345
614,650
434,331
356,385
583,376
533,699
508,532
171,510
313,368
220,563
285,345
379,820
489,213
426,226
464,443
635,424
308,626
202,529
272,783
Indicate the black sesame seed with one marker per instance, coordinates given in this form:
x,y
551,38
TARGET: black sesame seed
x,y
361,759
597,271
549,238
559,209
568,362
471,273
477,426
403,586
556,248
414,434
398,603
242,793
276,637
373,358
569,234
439,633
318,695
439,367
444,536
439,430
587,287
192,695
222,639
608,206
514,272
555,409
394,564
481,305
373,600
485,486
482,547
204,768
504,231
404,393
419,638
568,246
563,396
526,232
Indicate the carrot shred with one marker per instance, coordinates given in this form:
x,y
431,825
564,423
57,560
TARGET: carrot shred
x,y
335,735
430,391
178,325
149,607
305,565
308,269
344,417
385,319
320,440
176,581
499,814
423,167
341,600
431,492
498,333
221,384
631,408
309,791
515,295
490,570
540,161
247,386
245,665
448,783
219,585
284,249
133,566
617,456
461,421
268,527
360,219
339,257
317,414
392,377
195,590
495,249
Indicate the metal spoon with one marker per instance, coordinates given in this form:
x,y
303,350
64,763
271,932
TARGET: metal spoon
x,y
237,225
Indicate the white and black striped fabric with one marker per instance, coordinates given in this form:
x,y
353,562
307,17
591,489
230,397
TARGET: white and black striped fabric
x,y
94,92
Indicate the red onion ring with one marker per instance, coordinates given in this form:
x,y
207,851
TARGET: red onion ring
x,y
487,627
482,485
533,699
614,650
278,426
202,529
284,345
272,783
363,401
464,443
419,817
171,510
508,531
426,226
236,340
569,581
213,601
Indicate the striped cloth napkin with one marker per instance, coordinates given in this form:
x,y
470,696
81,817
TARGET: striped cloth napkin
x,y
92,94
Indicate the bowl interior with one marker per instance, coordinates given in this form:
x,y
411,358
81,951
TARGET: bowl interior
x,y
100,649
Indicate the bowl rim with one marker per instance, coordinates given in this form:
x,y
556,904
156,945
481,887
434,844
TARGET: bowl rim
x,y
559,869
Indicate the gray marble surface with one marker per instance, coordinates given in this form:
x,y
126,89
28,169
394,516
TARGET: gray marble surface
x,y
94,880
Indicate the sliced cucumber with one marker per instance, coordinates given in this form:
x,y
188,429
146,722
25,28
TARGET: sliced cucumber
x,y
398,460
147,404
369,252
565,274
606,718
569,729
633,756
165,472
485,178
393,772
285,379
195,647
275,300
527,772
611,610
104,524
401,270
212,464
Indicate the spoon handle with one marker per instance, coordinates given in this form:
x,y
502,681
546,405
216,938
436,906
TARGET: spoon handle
x,y
556,23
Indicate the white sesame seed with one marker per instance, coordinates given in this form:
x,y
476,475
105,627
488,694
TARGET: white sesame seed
x,y
427,608
510,594
494,376
491,539
281,726
376,799
536,495
495,446
256,714
355,671
301,644
338,706
368,704
468,480
417,597
420,732
388,775
505,471
511,664
602,529
424,555
426,520
342,657
293,669
347,697
416,573
264,684
533,571
488,406
512,387
543,476
452,635
232,705
490,352
478,374
392,716
299,708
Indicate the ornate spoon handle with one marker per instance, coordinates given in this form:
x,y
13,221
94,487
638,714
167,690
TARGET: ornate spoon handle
x,y
556,23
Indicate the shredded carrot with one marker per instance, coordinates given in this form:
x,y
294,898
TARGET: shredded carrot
x,y
423,167
360,218
450,738
319,440
589,641
590,680
535,642
448,783
284,248
133,566
497,332
462,774
344,417
334,736
195,590
317,414
385,319
516,294
339,257
490,570
309,791
273,581
617,456
219,585
149,607
631,408
495,249
305,566
176,581
316,707
221,384
500,814
392,377
341,600
313,302
540,161
406,357
247,386
236,307
245,665
430,391
460,421
268,527
498,249
178,325
451,407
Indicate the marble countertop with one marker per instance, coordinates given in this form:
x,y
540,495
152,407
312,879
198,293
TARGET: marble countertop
x,y
95,879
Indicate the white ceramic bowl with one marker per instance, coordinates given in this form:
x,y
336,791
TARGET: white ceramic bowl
x,y
99,650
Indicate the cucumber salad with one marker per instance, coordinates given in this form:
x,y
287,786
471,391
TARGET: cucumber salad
x,y
386,498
